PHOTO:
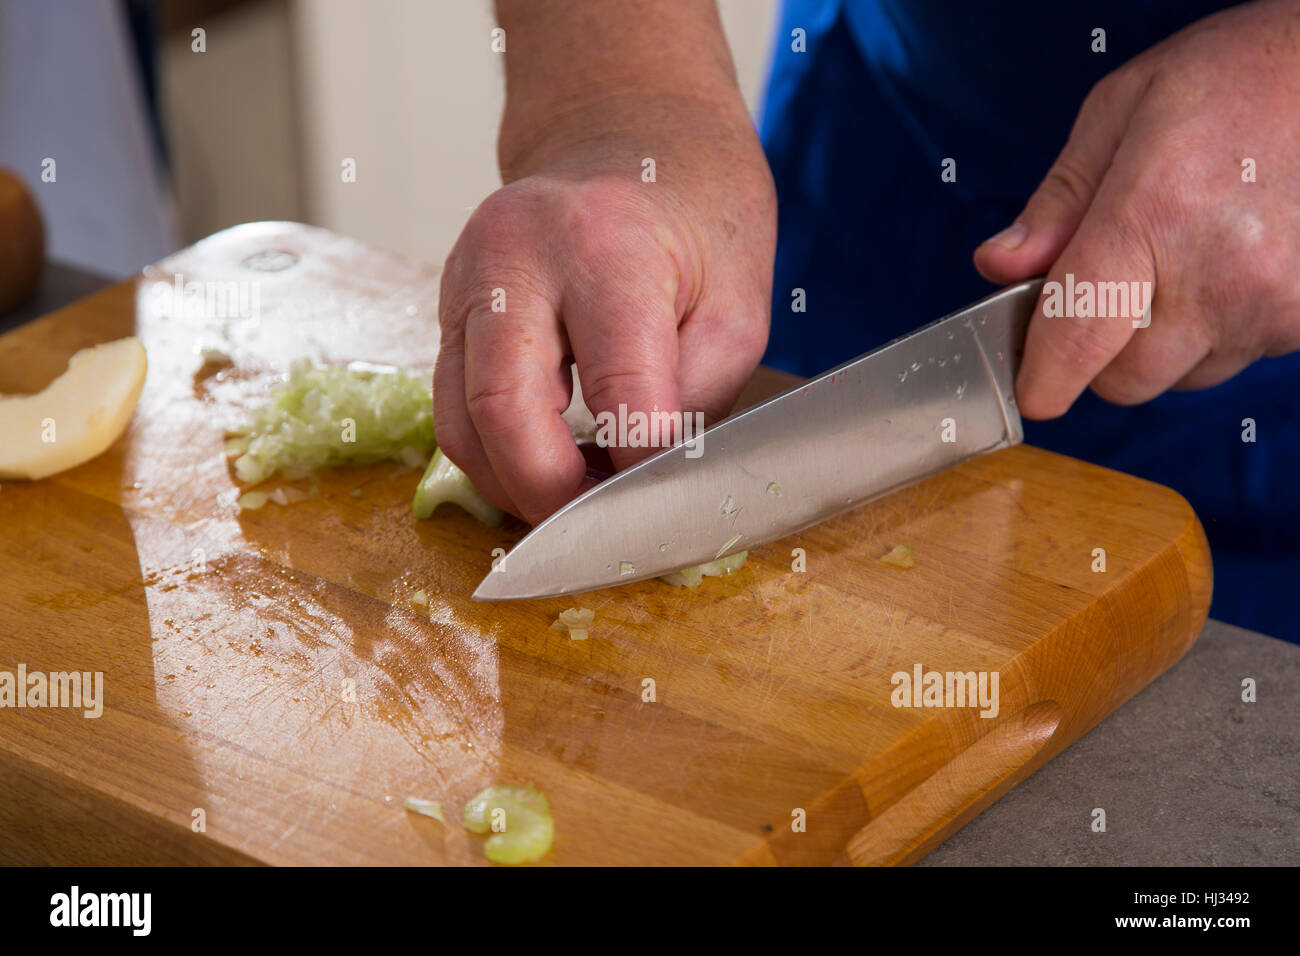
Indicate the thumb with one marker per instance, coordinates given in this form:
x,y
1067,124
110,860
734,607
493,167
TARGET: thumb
x,y
1041,232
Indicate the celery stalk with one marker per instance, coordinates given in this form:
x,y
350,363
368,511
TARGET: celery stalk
x,y
444,482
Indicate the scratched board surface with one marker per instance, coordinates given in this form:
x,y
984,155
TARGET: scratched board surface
x,y
272,693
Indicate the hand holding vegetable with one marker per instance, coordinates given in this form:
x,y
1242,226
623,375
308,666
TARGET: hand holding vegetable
x,y
655,277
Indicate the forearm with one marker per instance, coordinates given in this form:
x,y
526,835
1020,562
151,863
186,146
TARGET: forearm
x,y
577,69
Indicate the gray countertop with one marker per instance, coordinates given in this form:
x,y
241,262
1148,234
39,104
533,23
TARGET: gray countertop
x,y
1187,773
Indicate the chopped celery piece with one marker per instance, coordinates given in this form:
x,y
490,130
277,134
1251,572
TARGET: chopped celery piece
x,y
287,496
443,481
334,415
900,557
576,621
694,577
685,578
252,500
519,819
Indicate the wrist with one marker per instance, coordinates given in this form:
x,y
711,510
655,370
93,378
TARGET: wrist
x,y
540,135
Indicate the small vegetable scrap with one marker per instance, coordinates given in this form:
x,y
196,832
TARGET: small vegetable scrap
x,y
694,577
444,482
900,557
428,808
519,819
355,414
575,620
252,500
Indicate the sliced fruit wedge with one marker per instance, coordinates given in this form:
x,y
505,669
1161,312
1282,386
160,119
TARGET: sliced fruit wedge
x,y
78,415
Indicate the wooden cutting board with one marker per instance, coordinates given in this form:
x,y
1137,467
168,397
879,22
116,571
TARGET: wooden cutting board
x,y
272,695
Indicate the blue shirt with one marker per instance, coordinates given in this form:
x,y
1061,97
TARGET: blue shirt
x,y
856,130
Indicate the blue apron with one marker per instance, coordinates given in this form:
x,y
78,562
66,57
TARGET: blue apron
x,y
856,129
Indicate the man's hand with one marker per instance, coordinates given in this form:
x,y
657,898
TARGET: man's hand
x,y
1154,186
660,290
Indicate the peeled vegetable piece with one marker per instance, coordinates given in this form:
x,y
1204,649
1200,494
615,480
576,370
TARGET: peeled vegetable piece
x,y
355,414
77,416
443,481
529,827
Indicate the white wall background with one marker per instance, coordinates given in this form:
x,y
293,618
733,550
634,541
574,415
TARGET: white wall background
x,y
230,115
411,90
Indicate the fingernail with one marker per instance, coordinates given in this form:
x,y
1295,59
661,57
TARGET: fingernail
x,y
1010,237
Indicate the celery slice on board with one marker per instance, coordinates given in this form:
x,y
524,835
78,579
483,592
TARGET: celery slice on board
x,y
526,815
443,481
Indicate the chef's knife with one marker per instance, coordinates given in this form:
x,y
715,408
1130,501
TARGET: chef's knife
x,y
889,418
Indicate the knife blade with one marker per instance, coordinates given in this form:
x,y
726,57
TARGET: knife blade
x,y
884,420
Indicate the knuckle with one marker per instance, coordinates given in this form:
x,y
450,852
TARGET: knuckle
x,y
1128,379
1166,187
1068,183
1256,260
493,251
1081,343
745,336
1119,388
602,219
499,224
496,409
1115,88
608,385
1102,94
491,290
